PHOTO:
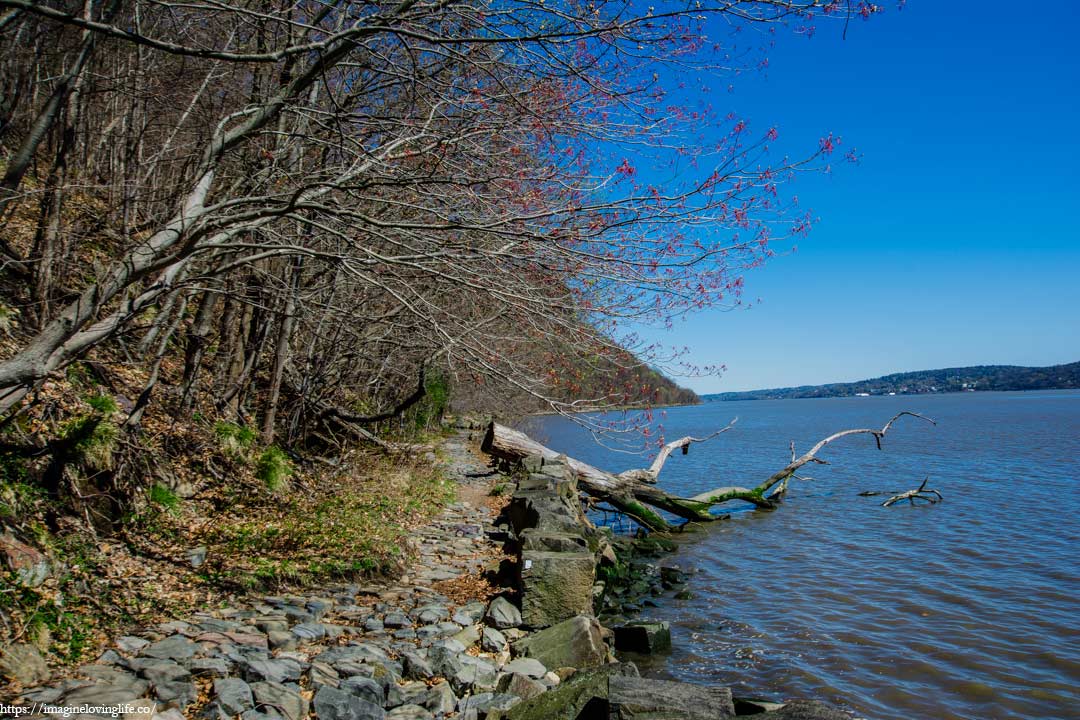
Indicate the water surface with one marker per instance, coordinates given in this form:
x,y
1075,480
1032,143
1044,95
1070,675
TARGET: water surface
x,y
966,609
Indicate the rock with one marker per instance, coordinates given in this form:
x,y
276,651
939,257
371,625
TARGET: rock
x,y
409,712
331,704
320,674
491,640
361,652
410,693
556,586
643,637
174,647
521,685
582,696
533,539
469,636
440,699
177,694
806,710
160,671
233,695
415,667
502,614
100,695
529,667
309,631
30,566
630,697
209,667
272,622
363,687
196,556
289,703
484,703
281,640
23,663
131,644
430,614
576,642
373,624
471,612
279,670
396,620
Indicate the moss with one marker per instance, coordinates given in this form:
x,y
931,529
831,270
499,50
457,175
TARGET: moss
x,y
66,634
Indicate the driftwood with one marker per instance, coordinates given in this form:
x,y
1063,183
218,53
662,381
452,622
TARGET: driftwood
x,y
633,492
920,493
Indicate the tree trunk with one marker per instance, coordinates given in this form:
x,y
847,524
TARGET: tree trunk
x,y
627,492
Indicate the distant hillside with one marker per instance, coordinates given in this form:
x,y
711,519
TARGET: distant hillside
x,y
979,377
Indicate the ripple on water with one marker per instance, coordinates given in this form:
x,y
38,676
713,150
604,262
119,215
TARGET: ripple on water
x,y
967,609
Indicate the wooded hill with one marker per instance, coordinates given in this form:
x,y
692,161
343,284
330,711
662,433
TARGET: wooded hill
x,y
974,378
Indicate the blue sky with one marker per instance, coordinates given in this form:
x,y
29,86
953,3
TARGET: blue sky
x,y
955,240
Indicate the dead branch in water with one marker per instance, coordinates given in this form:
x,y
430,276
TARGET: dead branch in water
x,y
920,493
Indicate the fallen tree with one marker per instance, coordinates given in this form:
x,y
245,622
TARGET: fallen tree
x,y
634,492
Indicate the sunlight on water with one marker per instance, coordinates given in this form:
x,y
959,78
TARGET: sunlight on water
x,y
967,609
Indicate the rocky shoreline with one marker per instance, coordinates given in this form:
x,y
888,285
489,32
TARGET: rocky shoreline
x,y
418,649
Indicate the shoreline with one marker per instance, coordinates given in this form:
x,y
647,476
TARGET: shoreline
x,y
437,642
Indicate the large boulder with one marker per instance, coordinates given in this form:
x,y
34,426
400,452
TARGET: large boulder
x,y
631,698
577,642
643,637
23,663
502,614
582,696
556,586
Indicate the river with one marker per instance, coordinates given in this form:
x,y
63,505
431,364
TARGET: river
x,y
964,609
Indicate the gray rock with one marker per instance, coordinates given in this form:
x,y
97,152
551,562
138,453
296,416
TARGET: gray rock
x,y
233,695
331,704
286,701
396,620
175,647
427,632
160,671
521,685
440,699
502,614
320,674
373,624
405,634
643,637
483,703
272,622
309,631
111,675
415,667
177,694
318,607
100,695
529,667
582,696
430,614
196,556
577,642
470,673
556,586
131,644
630,697
361,652
468,636
281,640
409,712
279,670
363,687
110,657
491,640
410,693
209,667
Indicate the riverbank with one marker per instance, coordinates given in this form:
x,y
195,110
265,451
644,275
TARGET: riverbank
x,y
445,639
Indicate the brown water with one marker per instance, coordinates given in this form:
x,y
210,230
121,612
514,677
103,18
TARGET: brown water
x,y
966,609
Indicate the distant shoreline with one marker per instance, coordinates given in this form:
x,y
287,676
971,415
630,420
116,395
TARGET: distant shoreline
x,y
978,378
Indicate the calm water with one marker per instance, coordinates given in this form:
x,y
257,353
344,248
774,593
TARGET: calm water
x,y
966,609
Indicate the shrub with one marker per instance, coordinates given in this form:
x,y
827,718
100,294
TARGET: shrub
x,y
274,468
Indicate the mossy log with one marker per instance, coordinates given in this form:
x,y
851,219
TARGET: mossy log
x,y
633,493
